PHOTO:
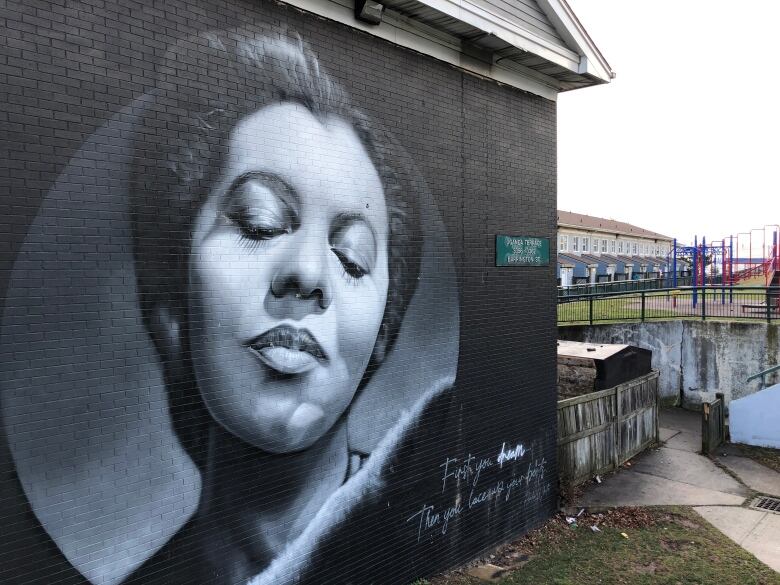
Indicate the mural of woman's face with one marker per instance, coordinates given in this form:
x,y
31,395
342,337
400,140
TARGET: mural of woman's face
x,y
288,277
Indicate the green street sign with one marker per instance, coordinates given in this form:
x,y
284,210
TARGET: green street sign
x,y
522,251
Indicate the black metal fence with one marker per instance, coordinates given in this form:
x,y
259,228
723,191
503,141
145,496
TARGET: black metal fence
x,y
710,302
620,286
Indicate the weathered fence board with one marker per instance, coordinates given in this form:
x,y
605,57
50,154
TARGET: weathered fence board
x,y
713,424
598,432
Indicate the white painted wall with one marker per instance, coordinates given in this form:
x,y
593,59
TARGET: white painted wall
x,y
755,419
664,246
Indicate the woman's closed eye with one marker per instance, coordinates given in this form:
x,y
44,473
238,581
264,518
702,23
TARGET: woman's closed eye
x,y
354,245
353,268
257,225
258,211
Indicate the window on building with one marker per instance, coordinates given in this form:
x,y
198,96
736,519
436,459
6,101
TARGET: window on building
x,y
620,246
563,243
586,244
575,243
634,248
612,246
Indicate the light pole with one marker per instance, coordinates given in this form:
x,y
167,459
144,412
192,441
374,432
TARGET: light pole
x,y
775,244
751,246
769,225
738,248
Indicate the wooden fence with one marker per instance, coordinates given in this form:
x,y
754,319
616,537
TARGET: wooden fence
x,y
713,424
598,432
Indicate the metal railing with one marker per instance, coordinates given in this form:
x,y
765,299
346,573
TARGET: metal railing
x,y
766,269
620,286
704,302
762,375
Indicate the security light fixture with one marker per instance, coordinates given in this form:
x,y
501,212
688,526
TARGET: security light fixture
x,y
369,11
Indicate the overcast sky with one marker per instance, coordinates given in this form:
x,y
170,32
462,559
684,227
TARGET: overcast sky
x,y
685,140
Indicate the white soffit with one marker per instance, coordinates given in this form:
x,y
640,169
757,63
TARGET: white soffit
x,y
474,35
570,28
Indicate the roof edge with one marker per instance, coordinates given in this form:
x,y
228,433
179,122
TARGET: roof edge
x,y
578,61
565,21
609,231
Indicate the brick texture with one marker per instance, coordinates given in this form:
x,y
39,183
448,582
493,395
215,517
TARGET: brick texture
x,y
97,483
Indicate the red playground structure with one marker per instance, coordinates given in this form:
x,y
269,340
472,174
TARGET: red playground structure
x,y
730,261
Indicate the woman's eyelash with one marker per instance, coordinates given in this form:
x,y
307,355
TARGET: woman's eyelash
x,y
352,270
351,280
249,244
252,232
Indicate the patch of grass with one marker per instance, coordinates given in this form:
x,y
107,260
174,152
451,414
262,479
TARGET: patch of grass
x,y
608,309
667,546
735,305
763,455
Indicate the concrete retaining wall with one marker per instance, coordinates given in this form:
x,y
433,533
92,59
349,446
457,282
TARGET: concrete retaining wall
x,y
695,358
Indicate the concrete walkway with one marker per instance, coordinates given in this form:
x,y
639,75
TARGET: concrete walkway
x,y
676,474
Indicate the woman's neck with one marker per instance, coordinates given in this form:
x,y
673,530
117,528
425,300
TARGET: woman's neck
x,y
258,502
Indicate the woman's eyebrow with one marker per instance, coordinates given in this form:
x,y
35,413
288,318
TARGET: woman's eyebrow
x,y
272,180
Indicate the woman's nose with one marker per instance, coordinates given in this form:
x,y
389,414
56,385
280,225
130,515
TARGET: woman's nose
x,y
301,280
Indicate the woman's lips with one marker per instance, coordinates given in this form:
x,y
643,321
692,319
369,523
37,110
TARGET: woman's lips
x,y
287,350
285,361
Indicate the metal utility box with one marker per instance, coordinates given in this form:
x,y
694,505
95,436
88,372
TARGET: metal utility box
x,y
588,367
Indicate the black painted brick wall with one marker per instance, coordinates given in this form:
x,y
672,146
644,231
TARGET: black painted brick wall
x,y
487,152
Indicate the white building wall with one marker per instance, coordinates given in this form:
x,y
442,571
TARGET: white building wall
x,y
573,241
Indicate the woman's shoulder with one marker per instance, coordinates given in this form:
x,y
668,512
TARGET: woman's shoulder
x,y
342,542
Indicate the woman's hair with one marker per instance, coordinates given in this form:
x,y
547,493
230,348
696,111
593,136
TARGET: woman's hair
x,y
207,85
